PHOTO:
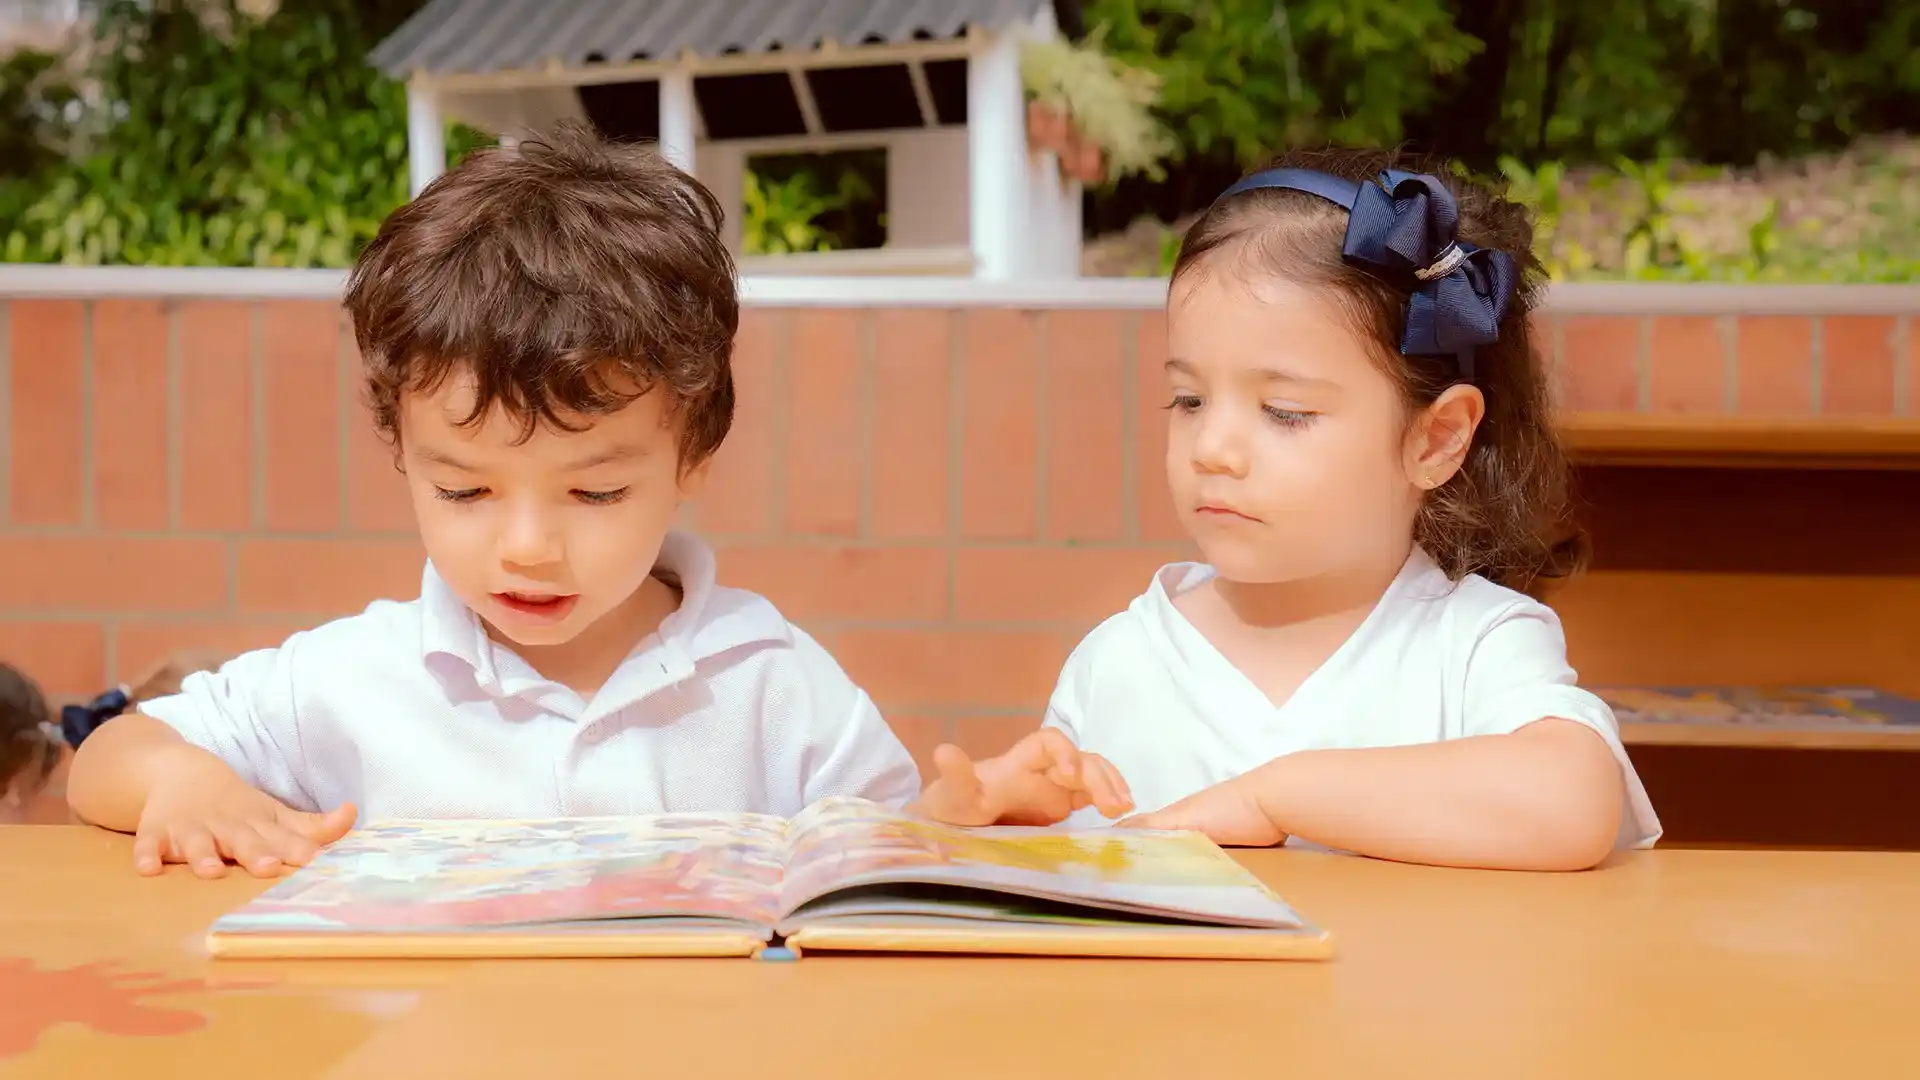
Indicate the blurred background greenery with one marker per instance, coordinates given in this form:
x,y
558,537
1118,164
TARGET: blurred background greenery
x,y
1660,139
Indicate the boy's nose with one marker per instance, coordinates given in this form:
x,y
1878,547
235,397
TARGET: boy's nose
x,y
530,539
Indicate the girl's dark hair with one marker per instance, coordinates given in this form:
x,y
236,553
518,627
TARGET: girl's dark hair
x,y
1506,514
26,749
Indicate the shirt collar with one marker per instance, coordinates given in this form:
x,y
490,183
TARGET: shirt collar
x,y
709,621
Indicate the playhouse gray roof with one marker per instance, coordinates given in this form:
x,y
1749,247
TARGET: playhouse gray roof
x,y
465,36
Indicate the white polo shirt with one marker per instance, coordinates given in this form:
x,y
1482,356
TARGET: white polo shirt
x,y
410,710
1434,660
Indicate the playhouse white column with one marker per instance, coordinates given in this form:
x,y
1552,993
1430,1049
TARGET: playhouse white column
x,y
1052,235
997,158
677,115
426,136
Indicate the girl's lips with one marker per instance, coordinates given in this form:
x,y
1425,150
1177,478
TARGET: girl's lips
x,y
1227,512
542,607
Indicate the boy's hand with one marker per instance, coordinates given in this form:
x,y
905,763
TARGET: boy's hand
x,y
1038,782
204,819
1228,813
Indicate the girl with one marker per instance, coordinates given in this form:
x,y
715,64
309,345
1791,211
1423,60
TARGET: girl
x,y
30,749
1360,444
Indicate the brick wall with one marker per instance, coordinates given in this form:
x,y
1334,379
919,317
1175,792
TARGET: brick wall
x,y
948,498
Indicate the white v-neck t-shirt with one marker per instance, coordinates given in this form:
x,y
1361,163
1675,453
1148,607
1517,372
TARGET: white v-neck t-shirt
x,y
1435,660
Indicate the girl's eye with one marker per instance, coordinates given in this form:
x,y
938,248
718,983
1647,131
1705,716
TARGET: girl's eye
x,y
601,498
460,496
1288,418
1184,402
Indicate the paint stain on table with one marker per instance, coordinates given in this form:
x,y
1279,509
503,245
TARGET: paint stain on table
x,y
109,1001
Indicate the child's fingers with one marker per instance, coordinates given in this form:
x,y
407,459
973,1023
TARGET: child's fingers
x,y
289,846
249,850
195,846
321,829
1062,757
149,854
1109,793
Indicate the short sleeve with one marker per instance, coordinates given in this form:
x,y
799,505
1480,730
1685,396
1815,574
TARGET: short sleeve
x,y
1066,709
244,715
1518,674
856,753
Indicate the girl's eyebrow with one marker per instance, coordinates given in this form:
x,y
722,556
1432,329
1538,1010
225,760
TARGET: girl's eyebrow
x,y
1264,374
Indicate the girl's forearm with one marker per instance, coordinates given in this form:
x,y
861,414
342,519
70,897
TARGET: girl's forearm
x,y
1547,797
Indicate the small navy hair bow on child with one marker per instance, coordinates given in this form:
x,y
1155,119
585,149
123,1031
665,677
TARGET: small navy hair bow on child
x,y
1400,228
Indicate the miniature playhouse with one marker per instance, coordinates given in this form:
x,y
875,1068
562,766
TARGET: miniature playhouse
x,y
971,188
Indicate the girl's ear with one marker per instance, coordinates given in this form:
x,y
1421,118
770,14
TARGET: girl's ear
x,y
1440,435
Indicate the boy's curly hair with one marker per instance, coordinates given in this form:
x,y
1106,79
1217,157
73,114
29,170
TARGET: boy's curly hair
x,y
566,275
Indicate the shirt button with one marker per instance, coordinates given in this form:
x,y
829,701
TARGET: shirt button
x,y
595,735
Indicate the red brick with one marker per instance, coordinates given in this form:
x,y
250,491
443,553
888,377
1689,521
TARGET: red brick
x,y
1857,361
216,415
739,495
1541,332
377,497
823,446
920,734
1776,365
1601,369
63,658
1689,366
993,734
1075,585
918,668
113,574
1000,426
319,577
1086,441
301,342
842,582
141,645
910,422
1913,366
47,421
130,414
1158,521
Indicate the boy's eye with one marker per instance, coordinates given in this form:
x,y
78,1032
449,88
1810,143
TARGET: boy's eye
x,y
1288,417
601,498
458,496
1184,402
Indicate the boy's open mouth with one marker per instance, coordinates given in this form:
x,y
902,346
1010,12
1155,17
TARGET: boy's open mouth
x,y
543,606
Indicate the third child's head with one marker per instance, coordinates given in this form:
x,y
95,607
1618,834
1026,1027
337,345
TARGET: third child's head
x,y
547,334
1303,441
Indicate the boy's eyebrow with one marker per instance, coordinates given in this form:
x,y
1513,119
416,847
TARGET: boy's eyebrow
x,y
1265,374
436,457
608,456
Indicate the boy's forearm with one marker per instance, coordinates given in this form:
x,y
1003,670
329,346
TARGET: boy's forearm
x,y
1546,797
120,764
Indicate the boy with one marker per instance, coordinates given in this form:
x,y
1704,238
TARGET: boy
x,y
546,334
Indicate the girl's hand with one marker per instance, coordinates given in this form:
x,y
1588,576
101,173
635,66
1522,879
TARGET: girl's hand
x,y
1040,781
1228,813
209,817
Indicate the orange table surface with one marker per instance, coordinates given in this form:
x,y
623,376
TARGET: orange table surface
x,y
1670,963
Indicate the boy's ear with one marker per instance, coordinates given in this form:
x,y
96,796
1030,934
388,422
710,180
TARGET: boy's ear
x,y
1441,434
694,477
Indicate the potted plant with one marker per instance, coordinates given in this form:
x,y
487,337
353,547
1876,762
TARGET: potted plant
x,y
1094,112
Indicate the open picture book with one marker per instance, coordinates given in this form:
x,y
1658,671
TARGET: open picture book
x,y
845,875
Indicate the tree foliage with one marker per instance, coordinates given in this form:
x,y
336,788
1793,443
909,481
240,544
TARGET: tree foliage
x,y
213,138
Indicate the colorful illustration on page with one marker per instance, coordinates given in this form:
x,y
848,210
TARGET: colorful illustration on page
x,y
450,875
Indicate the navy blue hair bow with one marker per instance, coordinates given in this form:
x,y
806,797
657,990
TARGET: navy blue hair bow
x,y
79,721
1400,228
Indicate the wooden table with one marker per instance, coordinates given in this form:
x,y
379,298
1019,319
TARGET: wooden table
x,y
1674,963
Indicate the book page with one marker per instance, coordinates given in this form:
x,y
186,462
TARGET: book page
x,y
843,845
454,875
